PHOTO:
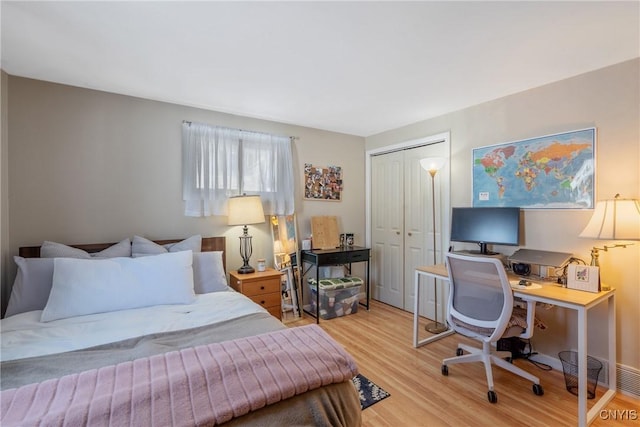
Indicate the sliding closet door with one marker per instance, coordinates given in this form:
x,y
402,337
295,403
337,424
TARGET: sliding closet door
x,y
387,223
419,235
401,224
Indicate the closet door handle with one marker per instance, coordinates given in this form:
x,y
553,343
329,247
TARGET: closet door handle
x,y
409,234
398,233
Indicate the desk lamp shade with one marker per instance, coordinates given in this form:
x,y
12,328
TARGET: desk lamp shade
x,y
244,210
616,219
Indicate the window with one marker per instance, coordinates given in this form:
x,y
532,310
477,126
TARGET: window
x,y
218,163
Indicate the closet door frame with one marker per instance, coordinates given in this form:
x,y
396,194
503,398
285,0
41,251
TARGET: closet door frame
x,y
444,209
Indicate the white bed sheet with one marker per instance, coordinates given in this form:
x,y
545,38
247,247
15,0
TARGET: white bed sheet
x,y
23,335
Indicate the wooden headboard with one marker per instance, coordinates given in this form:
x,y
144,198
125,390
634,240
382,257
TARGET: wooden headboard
x,y
208,244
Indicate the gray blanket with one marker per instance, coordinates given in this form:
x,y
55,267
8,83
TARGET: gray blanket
x,y
16,373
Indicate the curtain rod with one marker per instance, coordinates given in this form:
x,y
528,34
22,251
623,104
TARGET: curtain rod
x,y
293,138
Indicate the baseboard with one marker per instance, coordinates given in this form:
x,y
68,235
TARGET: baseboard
x,y
628,378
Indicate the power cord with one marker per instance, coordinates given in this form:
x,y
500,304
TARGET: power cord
x,y
527,356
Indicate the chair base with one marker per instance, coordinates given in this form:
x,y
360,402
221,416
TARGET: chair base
x,y
487,356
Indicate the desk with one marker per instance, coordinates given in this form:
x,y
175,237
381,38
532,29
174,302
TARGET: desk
x,y
581,302
338,256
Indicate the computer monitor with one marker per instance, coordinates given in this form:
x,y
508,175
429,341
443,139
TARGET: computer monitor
x,y
498,226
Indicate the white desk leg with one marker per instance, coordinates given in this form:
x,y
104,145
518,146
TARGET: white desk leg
x,y
416,306
582,367
611,360
416,315
613,374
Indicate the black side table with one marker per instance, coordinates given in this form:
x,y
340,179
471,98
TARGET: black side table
x,y
345,255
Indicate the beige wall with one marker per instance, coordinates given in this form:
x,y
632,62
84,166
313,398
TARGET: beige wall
x,y
608,99
89,166
4,187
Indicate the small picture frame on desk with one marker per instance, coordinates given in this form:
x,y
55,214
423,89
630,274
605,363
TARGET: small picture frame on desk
x,y
349,239
583,278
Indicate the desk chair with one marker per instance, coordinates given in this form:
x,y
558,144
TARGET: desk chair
x,y
480,306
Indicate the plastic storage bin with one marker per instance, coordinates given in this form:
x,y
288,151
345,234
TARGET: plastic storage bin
x,y
338,296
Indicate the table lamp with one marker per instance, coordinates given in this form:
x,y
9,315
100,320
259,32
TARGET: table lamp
x,y
616,219
433,165
244,210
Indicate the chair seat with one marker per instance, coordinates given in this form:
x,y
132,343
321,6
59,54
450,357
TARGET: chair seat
x,y
513,330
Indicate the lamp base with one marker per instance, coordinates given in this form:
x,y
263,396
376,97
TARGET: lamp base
x,y
246,269
436,328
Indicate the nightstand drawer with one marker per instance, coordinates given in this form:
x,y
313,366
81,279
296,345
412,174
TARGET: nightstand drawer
x,y
268,300
262,287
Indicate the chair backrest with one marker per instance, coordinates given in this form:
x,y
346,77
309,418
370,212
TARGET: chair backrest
x,y
480,300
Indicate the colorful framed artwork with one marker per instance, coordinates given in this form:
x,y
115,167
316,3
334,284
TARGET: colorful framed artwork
x,y
548,172
322,182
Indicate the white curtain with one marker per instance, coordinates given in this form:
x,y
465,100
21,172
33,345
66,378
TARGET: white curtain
x,y
218,163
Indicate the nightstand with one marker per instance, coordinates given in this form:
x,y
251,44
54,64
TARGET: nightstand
x,y
263,287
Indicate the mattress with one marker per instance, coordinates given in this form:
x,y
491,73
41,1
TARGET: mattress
x,y
36,352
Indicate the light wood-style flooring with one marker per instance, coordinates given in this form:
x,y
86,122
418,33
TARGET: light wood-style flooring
x,y
380,340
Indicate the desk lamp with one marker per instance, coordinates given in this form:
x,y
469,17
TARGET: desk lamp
x,y
433,165
617,219
245,210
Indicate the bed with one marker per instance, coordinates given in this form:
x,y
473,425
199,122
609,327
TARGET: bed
x,y
178,348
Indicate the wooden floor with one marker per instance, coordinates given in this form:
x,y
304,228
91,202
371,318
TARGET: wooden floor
x,y
381,343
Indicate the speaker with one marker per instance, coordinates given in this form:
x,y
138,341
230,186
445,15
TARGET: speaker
x,y
521,269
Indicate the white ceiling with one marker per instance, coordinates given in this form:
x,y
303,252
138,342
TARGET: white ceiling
x,y
354,67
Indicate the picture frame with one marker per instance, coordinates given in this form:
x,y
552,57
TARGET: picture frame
x,y
323,182
583,277
554,171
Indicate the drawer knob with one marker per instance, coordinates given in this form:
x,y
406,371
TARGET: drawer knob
x,y
262,302
262,288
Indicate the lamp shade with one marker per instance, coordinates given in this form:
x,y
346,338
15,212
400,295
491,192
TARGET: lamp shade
x,y
245,210
616,219
432,164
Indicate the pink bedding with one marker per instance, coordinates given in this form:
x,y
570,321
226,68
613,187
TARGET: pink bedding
x,y
208,384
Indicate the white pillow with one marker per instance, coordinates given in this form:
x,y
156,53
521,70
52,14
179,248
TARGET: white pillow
x,y
58,250
32,285
208,273
83,287
144,247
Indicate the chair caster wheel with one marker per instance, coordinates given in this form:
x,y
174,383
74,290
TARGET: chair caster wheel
x,y
537,390
445,370
459,352
493,397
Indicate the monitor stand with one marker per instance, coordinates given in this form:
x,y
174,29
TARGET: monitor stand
x,y
480,253
483,251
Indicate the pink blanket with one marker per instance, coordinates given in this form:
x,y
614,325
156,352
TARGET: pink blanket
x,y
208,384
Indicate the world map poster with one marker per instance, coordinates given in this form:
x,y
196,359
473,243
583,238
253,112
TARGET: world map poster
x,y
548,172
